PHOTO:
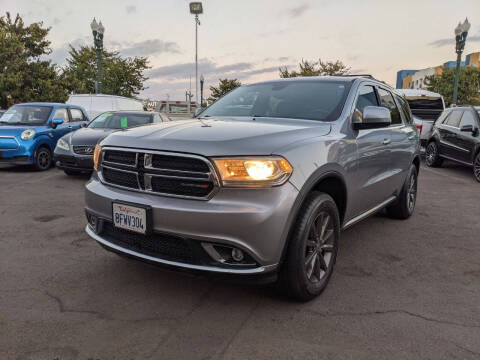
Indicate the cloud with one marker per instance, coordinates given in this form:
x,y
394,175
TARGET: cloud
x,y
60,54
298,10
451,41
130,9
148,47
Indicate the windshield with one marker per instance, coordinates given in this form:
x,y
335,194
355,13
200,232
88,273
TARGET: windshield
x,y
26,115
313,100
119,120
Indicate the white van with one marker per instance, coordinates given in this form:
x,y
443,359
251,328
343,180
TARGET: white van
x,y
100,103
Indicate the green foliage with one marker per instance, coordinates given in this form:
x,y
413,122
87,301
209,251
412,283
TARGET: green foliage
x,y
224,86
316,68
121,76
25,75
468,85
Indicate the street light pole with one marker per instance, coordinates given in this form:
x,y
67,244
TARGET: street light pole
x,y
461,32
196,8
98,30
202,80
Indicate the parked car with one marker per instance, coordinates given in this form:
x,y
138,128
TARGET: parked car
x,y
456,137
74,151
426,107
100,103
29,132
2,112
262,183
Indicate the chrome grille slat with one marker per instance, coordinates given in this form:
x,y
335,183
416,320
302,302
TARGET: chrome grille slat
x,y
179,180
83,149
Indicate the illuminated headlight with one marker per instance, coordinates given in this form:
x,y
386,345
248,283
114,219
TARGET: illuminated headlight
x,y
62,144
27,134
253,171
96,156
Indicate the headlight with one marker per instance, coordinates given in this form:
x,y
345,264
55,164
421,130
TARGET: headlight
x,y
96,156
28,134
253,171
62,144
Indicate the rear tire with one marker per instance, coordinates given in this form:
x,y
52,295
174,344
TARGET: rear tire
x,y
432,157
407,199
312,250
43,160
476,167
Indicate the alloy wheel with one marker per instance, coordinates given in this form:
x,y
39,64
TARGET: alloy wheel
x,y
412,193
431,154
476,168
319,247
43,159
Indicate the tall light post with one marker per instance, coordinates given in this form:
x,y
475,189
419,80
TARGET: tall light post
x,y
98,30
202,81
461,32
196,9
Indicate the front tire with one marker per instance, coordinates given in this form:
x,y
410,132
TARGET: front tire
x,y
43,161
313,248
476,167
407,199
432,155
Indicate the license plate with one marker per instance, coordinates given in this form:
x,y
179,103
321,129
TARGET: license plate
x,y
130,218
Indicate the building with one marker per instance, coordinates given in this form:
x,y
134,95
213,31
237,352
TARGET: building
x,y
415,79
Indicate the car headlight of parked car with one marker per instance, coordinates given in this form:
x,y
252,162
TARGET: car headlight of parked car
x,y
62,144
253,171
27,134
96,156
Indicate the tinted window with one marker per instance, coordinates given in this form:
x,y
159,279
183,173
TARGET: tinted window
x,y
386,100
442,117
76,114
313,100
61,114
366,97
454,118
119,120
425,103
26,115
404,108
468,118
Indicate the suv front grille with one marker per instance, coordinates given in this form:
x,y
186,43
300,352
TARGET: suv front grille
x,y
83,149
162,173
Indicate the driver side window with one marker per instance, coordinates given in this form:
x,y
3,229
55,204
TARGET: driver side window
x,y
61,114
366,97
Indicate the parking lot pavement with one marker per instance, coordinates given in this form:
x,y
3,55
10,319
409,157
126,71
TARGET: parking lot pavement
x,y
401,289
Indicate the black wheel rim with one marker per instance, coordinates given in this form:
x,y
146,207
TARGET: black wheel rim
x,y
43,159
412,192
319,247
431,153
476,168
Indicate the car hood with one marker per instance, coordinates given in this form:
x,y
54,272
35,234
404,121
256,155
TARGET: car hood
x,y
89,136
222,136
16,130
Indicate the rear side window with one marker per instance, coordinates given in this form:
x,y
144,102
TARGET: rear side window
x,y
405,109
454,118
468,118
76,114
366,97
386,100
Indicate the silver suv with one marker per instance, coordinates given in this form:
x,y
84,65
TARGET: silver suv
x,y
261,183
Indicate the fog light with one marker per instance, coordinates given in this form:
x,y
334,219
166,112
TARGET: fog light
x,y
237,254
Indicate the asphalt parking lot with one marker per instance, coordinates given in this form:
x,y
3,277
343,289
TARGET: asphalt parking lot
x,y
401,289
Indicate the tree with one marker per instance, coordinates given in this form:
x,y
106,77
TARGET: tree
x,y
121,76
468,86
25,75
316,68
224,86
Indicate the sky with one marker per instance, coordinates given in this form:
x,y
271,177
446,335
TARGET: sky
x,y
250,39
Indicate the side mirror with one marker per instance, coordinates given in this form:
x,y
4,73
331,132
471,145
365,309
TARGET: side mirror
x,y
56,122
373,117
198,111
469,128
83,124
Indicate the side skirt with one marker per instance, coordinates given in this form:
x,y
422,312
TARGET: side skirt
x,y
369,212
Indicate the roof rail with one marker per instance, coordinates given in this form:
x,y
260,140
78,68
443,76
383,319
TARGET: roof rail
x,y
360,75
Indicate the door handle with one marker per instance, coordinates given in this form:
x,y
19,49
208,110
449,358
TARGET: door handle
x,y
411,137
70,127
386,141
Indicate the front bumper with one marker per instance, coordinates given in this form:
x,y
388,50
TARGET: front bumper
x,y
21,153
255,221
66,160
